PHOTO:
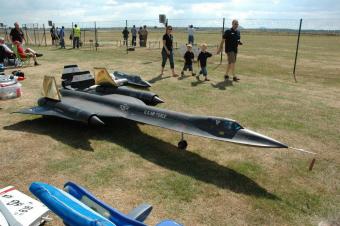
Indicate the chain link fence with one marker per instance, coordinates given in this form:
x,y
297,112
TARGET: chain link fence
x,y
109,34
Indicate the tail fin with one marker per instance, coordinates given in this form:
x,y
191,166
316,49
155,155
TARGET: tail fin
x,y
102,77
50,89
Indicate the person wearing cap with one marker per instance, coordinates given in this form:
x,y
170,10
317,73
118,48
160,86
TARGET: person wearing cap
x,y
188,60
202,61
17,34
167,51
231,38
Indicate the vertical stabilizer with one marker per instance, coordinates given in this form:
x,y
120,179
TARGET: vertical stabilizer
x,y
102,77
50,89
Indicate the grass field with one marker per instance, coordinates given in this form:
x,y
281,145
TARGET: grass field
x,y
212,183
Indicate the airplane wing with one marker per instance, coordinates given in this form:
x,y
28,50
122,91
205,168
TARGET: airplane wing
x,y
135,80
82,109
43,110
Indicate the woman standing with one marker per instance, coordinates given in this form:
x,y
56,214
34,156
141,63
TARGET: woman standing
x,y
167,51
140,35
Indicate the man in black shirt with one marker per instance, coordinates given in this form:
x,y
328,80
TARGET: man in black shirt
x,y
53,35
17,34
231,39
188,60
125,33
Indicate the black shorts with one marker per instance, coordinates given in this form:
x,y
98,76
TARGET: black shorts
x,y
187,67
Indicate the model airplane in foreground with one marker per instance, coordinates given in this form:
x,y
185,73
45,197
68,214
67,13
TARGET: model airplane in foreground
x,y
104,98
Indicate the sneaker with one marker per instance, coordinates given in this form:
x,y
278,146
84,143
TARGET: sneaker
x,y
198,78
206,79
193,74
235,79
175,75
182,73
36,64
39,54
226,77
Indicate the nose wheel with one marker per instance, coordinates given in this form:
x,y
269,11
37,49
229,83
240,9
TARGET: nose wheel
x,y
182,144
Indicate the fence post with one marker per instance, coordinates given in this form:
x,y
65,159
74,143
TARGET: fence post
x,y
84,37
35,38
222,34
297,49
27,39
127,41
95,35
45,34
71,34
6,34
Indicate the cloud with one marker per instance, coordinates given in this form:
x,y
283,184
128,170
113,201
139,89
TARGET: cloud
x,y
115,12
111,3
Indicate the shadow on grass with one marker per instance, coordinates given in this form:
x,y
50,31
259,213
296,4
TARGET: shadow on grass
x,y
222,85
127,134
158,78
183,77
196,83
147,62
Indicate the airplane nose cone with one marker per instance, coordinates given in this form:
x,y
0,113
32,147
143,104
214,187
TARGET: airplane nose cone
x,y
156,100
255,139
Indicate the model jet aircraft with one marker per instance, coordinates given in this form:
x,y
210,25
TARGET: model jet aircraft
x,y
106,99
71,71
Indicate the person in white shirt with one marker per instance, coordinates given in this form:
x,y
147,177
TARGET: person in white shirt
x,y
6,48
5,51
191,32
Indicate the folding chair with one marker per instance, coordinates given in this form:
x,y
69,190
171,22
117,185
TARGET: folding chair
x,y
24,61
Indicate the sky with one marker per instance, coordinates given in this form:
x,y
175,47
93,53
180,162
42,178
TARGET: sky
x,y
316,14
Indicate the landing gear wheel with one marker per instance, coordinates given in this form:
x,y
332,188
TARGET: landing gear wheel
x,y
182,145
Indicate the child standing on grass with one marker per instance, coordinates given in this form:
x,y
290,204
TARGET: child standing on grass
x,y
188,60
202,61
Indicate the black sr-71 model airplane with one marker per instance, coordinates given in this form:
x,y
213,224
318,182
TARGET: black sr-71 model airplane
x,y
90,100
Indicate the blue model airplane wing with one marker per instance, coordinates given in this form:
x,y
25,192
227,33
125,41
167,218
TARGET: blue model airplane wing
x,y
168,223
70,210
